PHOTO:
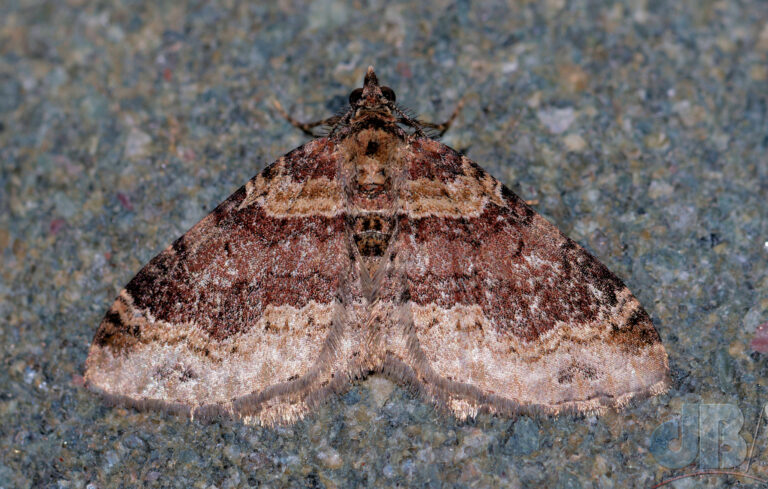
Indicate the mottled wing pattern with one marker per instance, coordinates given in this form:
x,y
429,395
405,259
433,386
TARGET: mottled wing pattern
x,y
501,311
247,312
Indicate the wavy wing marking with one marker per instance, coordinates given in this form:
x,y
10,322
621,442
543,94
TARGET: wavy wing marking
x,y
499,310
241,315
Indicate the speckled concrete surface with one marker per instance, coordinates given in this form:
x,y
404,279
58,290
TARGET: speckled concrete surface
x,y
639,126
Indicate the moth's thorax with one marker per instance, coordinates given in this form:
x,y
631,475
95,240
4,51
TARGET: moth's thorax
x,y
371,166
381,113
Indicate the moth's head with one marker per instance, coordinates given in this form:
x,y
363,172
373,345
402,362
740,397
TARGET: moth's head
x,y
372,98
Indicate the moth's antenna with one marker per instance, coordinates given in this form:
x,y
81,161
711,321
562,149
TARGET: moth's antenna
x,y
306,127
443,127
408,121
343,120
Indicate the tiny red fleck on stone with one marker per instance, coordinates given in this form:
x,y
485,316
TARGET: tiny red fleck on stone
x,y
125,201
56,225
759,341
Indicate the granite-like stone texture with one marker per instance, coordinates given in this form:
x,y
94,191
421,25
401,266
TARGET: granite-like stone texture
x,y
640,126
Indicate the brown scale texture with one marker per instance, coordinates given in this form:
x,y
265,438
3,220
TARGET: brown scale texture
x,y
535,281
436,163
225,271
265,257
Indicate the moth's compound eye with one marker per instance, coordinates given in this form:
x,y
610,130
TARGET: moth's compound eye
x,y
355,96
388,93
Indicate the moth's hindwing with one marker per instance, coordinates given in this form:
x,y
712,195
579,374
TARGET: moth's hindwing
x,y
497,309
242,314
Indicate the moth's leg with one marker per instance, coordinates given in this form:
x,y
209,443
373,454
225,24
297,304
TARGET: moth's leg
x,y
443,127
306,127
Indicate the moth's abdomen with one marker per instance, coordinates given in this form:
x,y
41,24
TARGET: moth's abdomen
x,y
372,233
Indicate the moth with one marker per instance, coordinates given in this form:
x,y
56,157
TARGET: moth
x,y
374,249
